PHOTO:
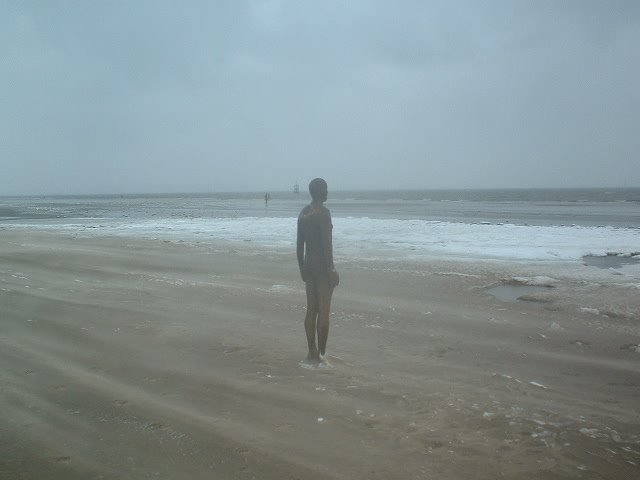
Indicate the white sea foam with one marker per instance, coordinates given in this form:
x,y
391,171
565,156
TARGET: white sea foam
x,y
386,238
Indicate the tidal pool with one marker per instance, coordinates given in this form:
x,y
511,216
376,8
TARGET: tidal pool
x,y
511,293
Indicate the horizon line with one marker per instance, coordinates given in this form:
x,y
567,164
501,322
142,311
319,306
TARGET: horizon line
x,y
304,192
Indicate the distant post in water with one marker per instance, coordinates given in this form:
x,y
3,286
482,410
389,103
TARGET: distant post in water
x,y
315,260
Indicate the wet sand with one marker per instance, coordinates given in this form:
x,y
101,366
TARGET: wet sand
x,y
135,359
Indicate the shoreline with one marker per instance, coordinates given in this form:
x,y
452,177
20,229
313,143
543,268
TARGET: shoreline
x,y
125,357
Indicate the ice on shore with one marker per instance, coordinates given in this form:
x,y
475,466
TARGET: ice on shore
x,y
383,238
457,274
555,326
539,385
537,281
632,347
281,288
593,311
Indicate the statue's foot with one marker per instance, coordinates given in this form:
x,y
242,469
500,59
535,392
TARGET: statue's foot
x,y
323,362
312,360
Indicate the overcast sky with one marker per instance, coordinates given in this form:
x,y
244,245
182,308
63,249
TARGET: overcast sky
x,y
178,96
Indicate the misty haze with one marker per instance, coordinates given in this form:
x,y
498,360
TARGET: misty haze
x,y
459,183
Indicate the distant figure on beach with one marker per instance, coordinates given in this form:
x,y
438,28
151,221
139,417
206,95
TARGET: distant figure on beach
x,y
315,259
267,197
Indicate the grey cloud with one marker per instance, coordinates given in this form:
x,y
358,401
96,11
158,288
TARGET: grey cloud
x,y
151,96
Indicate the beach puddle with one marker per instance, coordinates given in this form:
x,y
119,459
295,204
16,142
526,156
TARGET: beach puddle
x,y
610,261
511,293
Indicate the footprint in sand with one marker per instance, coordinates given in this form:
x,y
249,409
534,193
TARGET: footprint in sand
x,y
61,459
440,352
283,426
120,403
235,349
157,426
622,384
29,372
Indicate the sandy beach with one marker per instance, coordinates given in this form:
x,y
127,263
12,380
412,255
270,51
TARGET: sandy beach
x,y
146,359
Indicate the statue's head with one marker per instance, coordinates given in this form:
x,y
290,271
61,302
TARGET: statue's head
x,y
318,189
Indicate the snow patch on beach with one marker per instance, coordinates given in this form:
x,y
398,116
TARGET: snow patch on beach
x,y
457,274
555,327
370,238
281,289
537,384
593,311
633,347
537,281
276,288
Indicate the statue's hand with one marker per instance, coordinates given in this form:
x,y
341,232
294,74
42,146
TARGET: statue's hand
x,y
334,279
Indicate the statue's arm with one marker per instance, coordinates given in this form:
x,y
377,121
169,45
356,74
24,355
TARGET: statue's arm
x,y
327,241
334,279
300,250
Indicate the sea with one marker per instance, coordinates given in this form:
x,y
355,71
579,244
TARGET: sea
x,y
512,225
